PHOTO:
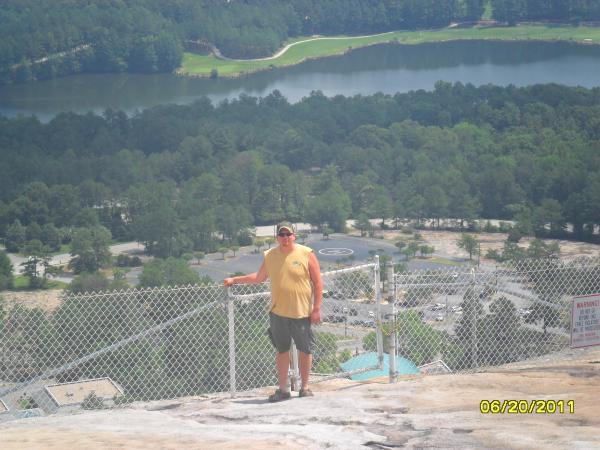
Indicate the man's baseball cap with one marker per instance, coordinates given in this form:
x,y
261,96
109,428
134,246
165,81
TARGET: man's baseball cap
x,y
285,226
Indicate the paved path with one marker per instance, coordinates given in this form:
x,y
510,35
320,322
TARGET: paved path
x,y
219,55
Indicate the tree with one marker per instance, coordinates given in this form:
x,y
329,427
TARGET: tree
x,y
363,224
468,243
258,243
231,220
512,252
37,254
549,315
154,219
234,248
331,207
511,11
400,245
469,328
6,271
538,249
90,249
33,231
417,341
413,248
86,218
15,237
499,341
381,206
223,251
549,211
199,256
167,272
50,237
426,250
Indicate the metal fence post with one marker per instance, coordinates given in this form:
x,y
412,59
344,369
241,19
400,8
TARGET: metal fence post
x,y
294,371
377,298
392,297
474,350
231,330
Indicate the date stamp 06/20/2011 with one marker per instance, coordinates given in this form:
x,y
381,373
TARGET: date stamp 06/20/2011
x,y
527,406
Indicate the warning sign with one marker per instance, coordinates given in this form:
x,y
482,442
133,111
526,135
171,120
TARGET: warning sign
x,y
585,324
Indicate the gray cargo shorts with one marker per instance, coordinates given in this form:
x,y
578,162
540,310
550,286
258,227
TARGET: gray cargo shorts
x,y
283,329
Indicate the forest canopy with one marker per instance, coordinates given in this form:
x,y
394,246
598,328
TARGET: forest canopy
x,y
171,176
42,39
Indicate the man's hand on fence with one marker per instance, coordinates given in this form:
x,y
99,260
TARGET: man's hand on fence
x,y
315,316
228,282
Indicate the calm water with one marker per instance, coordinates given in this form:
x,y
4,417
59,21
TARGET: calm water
x,y
384,68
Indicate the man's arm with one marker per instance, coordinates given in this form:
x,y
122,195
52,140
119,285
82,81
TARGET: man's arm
x,y
315,276
253,278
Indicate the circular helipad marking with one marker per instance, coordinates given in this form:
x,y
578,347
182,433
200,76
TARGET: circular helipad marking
x,y
336,251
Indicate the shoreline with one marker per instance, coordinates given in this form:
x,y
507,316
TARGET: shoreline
x,y
533,33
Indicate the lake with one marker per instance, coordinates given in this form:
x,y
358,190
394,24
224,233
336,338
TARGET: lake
x,y
388,68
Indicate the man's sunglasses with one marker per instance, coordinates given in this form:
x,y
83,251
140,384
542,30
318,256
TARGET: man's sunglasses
x,y
284,234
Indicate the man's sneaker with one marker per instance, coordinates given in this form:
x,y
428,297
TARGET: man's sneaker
x,y
279,396
306,393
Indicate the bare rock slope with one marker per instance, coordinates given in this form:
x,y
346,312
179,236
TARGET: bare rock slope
x,y
420,412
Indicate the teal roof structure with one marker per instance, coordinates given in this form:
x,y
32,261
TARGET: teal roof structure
x,y
369,359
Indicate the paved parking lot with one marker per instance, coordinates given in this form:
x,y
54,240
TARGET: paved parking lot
x,y
338,249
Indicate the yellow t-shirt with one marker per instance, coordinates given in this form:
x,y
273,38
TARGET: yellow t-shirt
x,y
291,286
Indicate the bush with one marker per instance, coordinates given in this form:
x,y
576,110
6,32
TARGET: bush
x,y
493,254
26,402
124,260
89,282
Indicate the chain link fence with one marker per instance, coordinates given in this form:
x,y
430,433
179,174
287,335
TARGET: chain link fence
x,y
104,349
468,319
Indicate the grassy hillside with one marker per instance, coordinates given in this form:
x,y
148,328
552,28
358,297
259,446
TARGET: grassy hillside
x,y
307,48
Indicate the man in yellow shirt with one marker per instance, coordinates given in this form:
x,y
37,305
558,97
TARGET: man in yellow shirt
x,y
295,276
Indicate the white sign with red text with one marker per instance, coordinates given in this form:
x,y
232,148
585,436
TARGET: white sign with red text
x,y
585,321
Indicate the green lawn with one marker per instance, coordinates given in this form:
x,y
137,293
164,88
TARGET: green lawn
x,y
201,65
21,283
443,261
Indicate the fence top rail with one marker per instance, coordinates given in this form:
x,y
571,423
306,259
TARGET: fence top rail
x,y
524,266
191,287
142,291
349,269
264,286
